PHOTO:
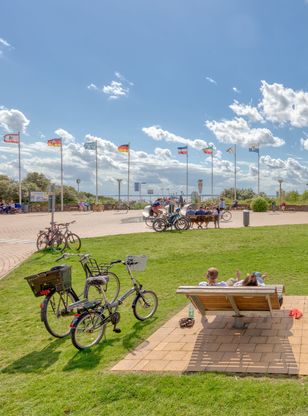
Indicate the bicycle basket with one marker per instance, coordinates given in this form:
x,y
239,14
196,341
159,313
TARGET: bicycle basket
x,y
136,263
57,279
93,268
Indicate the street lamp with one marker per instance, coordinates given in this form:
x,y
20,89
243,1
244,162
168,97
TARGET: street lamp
x,y
119,189
78,182
280,189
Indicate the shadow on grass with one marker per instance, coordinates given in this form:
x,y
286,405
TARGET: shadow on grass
x,y
36,361
90,358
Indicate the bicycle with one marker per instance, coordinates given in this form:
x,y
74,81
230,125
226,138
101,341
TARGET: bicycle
x,y
88,328
172,220
121,207
225,215
52,237
55,285
72,240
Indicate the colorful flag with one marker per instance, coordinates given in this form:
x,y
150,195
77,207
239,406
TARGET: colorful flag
x,y
254,148
54,142
183,150
230,150
124,148
90,145
11,138
208,150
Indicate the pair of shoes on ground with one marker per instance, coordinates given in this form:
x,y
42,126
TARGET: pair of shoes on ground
x,y
186,322
296,313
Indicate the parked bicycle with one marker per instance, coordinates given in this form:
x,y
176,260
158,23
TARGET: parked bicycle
x,y
225,215
55,284
58,236
88,328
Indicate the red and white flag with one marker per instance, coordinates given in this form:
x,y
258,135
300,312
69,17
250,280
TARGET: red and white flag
x,y
11,138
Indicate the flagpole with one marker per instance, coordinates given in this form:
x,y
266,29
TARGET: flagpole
x,y
212,179
19,168
61,153
128,168
187,177
258,169
96,170
235,172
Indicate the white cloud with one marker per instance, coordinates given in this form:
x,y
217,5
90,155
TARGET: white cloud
x,y
165,153
157,133
246,111
304,142
114,90
291,170
4,45
236,90
238,131
65,135
284,105
211,80
13,120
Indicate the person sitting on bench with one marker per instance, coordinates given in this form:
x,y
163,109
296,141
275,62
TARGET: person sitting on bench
x,y
212,277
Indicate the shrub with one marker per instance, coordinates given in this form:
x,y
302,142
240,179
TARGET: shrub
x,y
259,204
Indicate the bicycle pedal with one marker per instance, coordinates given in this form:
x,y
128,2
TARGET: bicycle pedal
x,y
117,330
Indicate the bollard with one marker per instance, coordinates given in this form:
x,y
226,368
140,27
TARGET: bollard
x,y
246,214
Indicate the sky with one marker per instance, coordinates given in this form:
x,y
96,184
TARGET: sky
x,y
157,75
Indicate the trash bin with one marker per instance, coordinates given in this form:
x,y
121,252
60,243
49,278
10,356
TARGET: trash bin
x,y
25,208
246,215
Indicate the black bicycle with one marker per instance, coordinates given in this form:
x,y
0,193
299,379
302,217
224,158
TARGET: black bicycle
x,y
56,286
88,328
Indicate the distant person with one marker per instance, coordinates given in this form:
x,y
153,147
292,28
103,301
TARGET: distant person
x,y
212,278
190,211
274,206
181,201
283,206
234,204
201,211
222,204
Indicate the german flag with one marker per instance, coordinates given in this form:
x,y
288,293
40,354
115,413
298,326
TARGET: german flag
x,y
54,142
124,148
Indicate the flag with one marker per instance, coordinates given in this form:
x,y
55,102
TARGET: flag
x,y
90,145
124,148
54,142
230,150
11,138
208,150
254,148
183,150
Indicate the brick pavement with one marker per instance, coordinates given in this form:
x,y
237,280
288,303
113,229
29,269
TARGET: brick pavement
x,y
277,345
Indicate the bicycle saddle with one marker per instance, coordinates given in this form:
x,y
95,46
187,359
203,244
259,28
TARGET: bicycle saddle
x,y
97,280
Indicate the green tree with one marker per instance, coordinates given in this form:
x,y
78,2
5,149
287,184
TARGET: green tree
x,y
292,196
35,181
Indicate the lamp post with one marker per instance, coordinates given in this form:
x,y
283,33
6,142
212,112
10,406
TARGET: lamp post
x,y
119,189
280,189
78,182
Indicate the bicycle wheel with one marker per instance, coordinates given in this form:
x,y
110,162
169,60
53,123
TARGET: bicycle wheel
x,y
87,330
42,241
73,241
159,225
145,305
149,221
226,216
111,289
181,224
55,315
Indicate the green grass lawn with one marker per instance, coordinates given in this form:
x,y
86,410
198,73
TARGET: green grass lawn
x,y
43,375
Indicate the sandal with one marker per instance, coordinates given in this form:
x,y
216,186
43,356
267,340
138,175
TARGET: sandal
x,y
186,322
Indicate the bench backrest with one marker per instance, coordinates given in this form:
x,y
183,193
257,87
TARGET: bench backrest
x,y
236,299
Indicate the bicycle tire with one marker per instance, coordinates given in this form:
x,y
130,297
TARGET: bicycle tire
x,y
87,330
111,289
145,300
73,241
42,241
226,216
54,314
159,225
149,221
181,224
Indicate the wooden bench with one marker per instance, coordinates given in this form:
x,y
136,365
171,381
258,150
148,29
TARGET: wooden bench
x,y
237,301
204,219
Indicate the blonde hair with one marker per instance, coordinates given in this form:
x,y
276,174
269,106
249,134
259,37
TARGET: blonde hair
x,y
212,273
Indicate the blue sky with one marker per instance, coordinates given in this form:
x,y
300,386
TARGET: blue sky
x,y
158,74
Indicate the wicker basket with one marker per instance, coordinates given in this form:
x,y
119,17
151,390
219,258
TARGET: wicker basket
x,y
58,279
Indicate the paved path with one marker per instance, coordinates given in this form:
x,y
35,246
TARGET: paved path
x,y
18,232
277,345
